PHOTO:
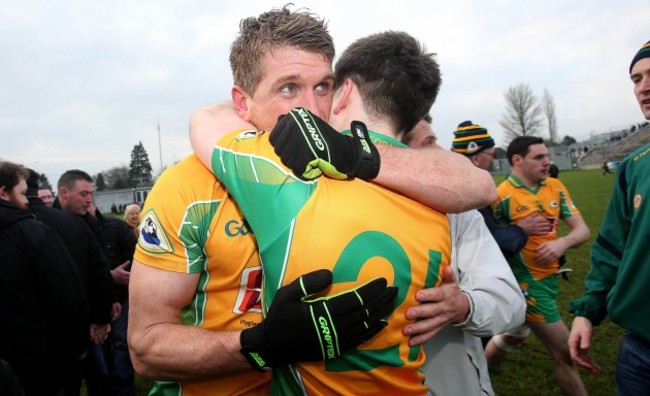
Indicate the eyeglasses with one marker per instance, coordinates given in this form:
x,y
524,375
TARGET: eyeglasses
x,y
491,154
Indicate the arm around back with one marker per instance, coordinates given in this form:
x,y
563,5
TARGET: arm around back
x,y
440,179
209,124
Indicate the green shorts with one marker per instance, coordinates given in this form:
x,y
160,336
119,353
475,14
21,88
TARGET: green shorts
x,y
541,299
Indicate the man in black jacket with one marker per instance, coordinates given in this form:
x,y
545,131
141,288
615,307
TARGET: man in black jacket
x,y
43,305
118,244
87,252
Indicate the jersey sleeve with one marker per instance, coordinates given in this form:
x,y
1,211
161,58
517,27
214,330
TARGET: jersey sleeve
x,y
267,192
175,221
567,207
501,207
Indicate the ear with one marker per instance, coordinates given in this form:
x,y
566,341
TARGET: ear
x,y
342,95
4,194
239,98
474,159
63,194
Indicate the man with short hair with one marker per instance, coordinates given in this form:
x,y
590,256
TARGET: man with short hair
x,y
75,196
617,283
44,321
528,190
45,194
118,244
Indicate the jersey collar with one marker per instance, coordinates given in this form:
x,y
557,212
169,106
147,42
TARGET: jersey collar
x,y
517,183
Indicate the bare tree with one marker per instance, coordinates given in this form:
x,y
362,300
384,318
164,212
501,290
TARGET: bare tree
x,y
548,106
523,115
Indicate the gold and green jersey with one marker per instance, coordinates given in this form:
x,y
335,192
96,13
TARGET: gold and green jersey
x,y
551,200
357,230
190,225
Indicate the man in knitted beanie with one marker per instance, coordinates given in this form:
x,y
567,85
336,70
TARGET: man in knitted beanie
x,y
617,283
474,142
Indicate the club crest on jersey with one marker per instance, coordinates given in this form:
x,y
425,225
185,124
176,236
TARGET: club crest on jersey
x,y
250,291
553,203
637,201
152,237
521,208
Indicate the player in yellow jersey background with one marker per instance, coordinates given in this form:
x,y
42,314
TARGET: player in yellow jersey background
x,y
528,190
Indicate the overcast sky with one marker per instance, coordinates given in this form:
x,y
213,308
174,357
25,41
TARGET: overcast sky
x,y
85,81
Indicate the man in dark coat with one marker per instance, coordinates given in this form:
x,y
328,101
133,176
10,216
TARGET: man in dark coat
x,y
118,244
43,305
93,267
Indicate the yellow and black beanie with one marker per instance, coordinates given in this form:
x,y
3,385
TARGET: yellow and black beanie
x,y
470,139
644,52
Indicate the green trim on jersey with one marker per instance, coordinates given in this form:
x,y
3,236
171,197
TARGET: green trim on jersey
x,y
166,388
193,232
502,211
253,178
565,210
516,182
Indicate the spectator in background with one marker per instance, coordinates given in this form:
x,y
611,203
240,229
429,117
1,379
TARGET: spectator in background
x,y
617,283
45,194
606,169
118,244
75,196
132,217
43,305
553,170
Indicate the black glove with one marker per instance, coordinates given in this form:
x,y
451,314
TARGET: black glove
x,y
297,329
310,148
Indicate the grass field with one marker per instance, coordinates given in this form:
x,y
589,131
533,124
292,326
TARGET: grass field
x,y
528,369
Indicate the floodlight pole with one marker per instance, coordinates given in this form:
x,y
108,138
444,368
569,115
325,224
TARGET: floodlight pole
x,y
159,146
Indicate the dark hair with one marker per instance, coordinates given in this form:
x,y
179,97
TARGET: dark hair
x,y
520,146
276,28
32,183
70,177
10,174
397,79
